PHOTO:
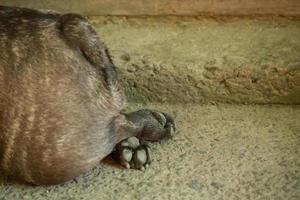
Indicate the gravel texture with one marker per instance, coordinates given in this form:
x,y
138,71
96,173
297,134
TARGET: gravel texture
x,y
200,60
219,152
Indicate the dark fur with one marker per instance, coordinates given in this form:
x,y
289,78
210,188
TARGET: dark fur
x,y
53,97
60,100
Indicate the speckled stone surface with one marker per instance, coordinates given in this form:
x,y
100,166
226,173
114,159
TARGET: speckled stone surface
x,y
195,60
219,152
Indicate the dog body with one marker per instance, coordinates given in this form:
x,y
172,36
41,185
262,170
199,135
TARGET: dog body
x,y
56,105
60,100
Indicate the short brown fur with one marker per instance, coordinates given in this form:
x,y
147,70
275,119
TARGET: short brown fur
x,y
60,100
51,99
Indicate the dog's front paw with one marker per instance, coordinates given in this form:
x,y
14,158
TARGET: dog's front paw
x,y
155,125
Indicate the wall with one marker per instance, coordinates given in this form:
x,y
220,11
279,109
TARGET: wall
x,y
165,7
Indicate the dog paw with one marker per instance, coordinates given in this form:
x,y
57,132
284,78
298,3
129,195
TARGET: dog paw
x,y
167,123
155,125
132,154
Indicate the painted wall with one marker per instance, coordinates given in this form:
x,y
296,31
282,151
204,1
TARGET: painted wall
x,y
165,7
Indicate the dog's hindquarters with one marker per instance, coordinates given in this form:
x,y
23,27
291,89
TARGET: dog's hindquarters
x,y
56,102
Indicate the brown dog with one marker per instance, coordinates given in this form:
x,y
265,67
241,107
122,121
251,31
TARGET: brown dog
x,y
60,101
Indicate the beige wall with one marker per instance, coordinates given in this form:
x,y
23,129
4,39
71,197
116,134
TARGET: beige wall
x,y
165,7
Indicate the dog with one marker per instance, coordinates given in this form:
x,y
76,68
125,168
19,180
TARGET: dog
x,y
61,102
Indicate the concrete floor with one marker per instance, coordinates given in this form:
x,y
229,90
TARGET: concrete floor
x,y
195,60
219,152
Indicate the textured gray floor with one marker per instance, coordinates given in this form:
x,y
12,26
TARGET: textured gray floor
x,y
219,152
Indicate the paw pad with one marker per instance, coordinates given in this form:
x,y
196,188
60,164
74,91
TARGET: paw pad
x,y
132,154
